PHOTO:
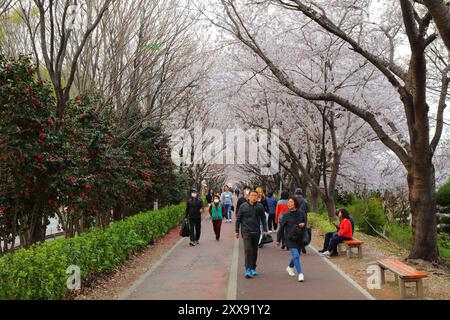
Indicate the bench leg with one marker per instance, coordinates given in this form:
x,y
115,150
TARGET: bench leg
x,y
396,278
402,289
383,276
419,285
360,252
349,252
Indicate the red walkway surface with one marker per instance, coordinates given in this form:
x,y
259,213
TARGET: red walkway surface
x,y
193,273
203,273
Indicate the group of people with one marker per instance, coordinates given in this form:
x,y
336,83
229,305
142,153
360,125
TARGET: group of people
x,y
258,216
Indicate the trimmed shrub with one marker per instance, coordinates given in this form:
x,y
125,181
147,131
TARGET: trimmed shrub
x,y
400,234
39,273
320,223
368,215
443,196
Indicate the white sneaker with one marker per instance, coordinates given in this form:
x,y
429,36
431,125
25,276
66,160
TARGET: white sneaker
x,y
291,271
301,277
325,254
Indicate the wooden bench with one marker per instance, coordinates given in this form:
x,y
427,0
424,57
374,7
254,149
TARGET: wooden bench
x,y
350,244
403,274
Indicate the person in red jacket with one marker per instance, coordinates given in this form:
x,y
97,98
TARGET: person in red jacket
x,y
345,233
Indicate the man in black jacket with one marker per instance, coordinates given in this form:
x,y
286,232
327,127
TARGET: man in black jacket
x,y
249,219
194,210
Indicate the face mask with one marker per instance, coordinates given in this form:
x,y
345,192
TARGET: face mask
x,y
216,201
194,195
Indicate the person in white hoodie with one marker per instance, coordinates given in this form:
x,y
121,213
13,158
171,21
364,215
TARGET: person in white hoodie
x,y
227,200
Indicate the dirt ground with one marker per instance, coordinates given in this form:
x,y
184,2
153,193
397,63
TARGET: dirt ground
x,y
110,286
436,287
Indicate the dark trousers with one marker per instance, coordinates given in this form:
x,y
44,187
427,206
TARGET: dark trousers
x,y
196,228
271,222
251,249
328,237
217,226
334,244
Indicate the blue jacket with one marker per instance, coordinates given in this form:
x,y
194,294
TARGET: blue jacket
x,y
272,203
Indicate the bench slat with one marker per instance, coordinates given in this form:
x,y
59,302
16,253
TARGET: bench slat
x,y
353,242
403,270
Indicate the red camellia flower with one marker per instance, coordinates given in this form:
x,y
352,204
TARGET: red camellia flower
x,y
30,70
30,90
70,210
42,137
49,122
50,202
88,186
36,102
72,138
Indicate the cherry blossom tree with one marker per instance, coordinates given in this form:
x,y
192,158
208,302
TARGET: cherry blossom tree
x,y
409,80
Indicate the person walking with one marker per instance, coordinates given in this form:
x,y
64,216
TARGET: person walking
x,y
292,219
345,233
303,206
243,199
210,197
249,219
227,200
194,209
216,212
282,208
272,203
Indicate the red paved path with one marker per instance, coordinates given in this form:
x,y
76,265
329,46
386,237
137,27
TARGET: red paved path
x,y
203,273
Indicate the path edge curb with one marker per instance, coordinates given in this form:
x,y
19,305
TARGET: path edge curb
x,y
346,277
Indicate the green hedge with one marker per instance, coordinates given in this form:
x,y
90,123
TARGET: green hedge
x,y
443,196
39,273
320,222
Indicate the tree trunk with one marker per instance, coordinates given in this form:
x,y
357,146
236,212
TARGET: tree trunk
x,y
422,195
314,201
331,208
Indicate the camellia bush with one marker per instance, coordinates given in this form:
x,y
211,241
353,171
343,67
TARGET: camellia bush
x,y
85,168
40,272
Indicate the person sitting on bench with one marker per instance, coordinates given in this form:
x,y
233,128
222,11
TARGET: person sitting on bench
x,y
344,233
334,234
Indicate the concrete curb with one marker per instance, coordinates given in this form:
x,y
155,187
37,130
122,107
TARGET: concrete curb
x,y
143,277
232,283
345,276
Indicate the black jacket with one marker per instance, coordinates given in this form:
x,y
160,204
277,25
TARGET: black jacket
x,y
289,221
240,202
265,205
193,208
303,204
250,218
209,198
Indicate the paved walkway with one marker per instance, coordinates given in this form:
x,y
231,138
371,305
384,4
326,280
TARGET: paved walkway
x,y
214,271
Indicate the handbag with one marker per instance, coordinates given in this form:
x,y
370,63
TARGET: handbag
x,y
307,236
185,229
296,234
267,239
